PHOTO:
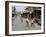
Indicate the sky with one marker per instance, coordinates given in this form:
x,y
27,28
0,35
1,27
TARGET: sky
x,y
20,8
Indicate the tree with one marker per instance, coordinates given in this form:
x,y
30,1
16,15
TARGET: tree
x,y
29,8
13,9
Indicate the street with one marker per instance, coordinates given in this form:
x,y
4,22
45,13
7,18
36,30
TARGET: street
x,y
17,25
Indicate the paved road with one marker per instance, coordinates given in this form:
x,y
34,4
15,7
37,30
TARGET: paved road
x,y
18,25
